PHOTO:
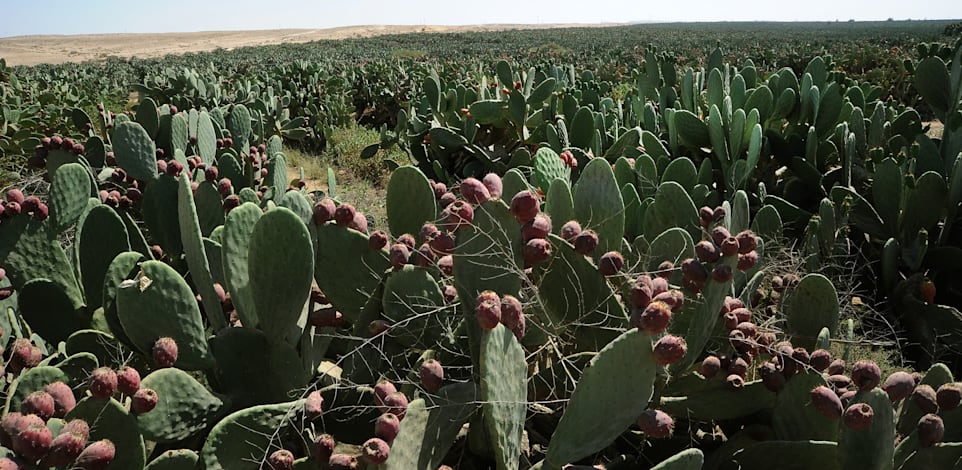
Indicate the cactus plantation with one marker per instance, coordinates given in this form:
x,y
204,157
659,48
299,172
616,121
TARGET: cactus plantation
x,y
642,262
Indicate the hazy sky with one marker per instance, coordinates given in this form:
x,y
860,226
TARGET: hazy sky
x,y
23,17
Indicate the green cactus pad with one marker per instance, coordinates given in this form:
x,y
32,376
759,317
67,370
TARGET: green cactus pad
x,y
690,459
812,305
696,322
909,413
206,139
69,192
872,448
716,401
548,167
210,208
942,455
570,272
924,204
184,406
793,455
674,244
280,265
887,193
254,370
410,201
158,303
277,173
559,204
103,346
78,368
147,116
30,250
100,238
415,307
135,151
49,311
298,203
236,249
513,183
932,81
239,123
192,239
242,440
109,420
613,391
429,428
30,381
180,459
124,266
672,207
228,167
504,372
163,222
795,418
346,269
135,238
598,205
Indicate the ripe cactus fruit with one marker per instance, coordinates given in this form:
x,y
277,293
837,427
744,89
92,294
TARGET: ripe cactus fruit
x,y
820,359
694,271
570,230
739,367
342,462
899,385
538,227
432,375
488,310
38,403
9,427
323,447
424,256
493,182
747,261
610,263
669,350
866,375
640,294
525,205
377,327
32,439
313,405
512,316
386,427
447,199
474,191
722,273
707,252
143,401
654,318
96,456
586,242
128,380
747,241
324,211
837,367
826,402
706,216
14,195
456,215
443,243
63,398
68,445
224,187
948,396
165,352
376,451
359,223
446,265
930,430
925,398
859,416
377,240
408,240
839,382
729,247
399,254
396,404
710,366
536,250
281,459
103,382
381,390
656,424
735,381
772,378
344,214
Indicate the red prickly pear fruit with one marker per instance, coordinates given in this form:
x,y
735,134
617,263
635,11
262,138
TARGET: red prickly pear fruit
x,y
174,168
474,191
707,252
610,263
161,166
231,202
839,382
281,459
866,375
665,269
640,294
63,398
432,375
13,463
165,352
570,230
143,401
376,451
399,254
326,317
493,182
747,261
488,310
801,357
694,271
377,240
859,416
930,430
42,212
386,427
948,396
837,367
847,397
224,187
32,439
586,242
407,239
447,199
428,232
377,327
323,447
38,403
820,359
719,235
446,265
710,366
456,215
103,382
342,462
719,213
536,251
314,406
30,204
9,427
381,390
359,223
128,380
324,211
65,448
927,290
747,241
14,195
656,424
12,209
654,318
96,456
738,367
396,404
729,247
706,216
424,256
525,205
538,227
156,251
439,189
344,214
722,273
772,378
659,285
899,386
669,350
443,243
925,398
826,402
735,381
512,316
210,174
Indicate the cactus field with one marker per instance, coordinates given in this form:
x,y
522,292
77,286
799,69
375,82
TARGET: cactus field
x,y
669,246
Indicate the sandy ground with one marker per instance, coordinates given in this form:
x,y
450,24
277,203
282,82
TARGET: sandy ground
x,y
32,50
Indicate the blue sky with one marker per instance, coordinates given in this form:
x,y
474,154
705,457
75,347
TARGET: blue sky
x,y
25,17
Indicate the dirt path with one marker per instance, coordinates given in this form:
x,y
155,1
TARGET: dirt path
x,y
32,50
